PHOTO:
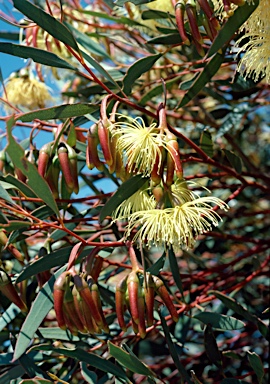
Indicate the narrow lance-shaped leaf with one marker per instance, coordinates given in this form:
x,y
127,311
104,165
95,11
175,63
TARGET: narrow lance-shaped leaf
x,y
35,181
183,373
218,321
64,111
257,365
175,271
128,360
38,55
46,22
234,160
205,76
41,306
231,303
137,69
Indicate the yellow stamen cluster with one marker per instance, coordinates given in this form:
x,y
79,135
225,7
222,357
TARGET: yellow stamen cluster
x,y
139,145
256,59
27,92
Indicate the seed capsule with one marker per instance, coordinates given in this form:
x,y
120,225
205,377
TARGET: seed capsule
x,y
59,294
65,165
43,158
120,296
149,293
164,295
92,159
133,287
7,288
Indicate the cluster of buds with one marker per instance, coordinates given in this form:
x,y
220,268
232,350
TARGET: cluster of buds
x,y
136,292
101,134
196,13
8,289
50,164
130,147
77,304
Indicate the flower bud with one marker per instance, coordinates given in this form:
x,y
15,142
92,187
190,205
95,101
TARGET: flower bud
x,y
96,298
141,312
179,17
173,149
92,159
149,294
43,158
87,297
120,295
133,287
65,165
72,156
164,295
7,288
104,139
59,294
69,308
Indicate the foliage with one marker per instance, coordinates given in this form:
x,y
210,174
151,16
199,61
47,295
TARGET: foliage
x,y
134,201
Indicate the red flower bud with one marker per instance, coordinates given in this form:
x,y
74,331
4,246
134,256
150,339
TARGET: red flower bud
x,y
7,288
92,159
149,294
164,295
58,294
65,166
120,296
133,287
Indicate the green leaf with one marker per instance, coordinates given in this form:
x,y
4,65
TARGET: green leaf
x,y
234,160
4,195
89,358
49,261
175,272
128,360
12,374
241,14
47,22
220,322
35,181
127,189
55,333
38,55
158,266
211,347
10,313
151,14
89,376
23,188
42,304
88,43
257,365
10,36
137,69
204,77
64,111
170,39
12,225
173,352
206,143
238,308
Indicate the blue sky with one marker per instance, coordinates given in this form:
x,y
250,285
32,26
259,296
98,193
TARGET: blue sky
x,y
9,64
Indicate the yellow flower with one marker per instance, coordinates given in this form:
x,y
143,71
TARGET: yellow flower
x,y
139,201
139,145
178,226
27,92
256,59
